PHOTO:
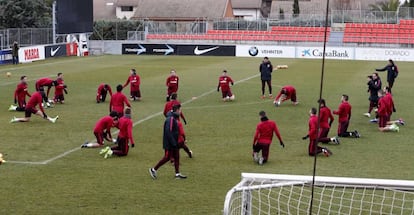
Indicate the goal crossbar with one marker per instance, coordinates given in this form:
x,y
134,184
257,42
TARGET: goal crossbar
x,y
259,193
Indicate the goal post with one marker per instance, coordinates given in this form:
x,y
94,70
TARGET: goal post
x,y
292,194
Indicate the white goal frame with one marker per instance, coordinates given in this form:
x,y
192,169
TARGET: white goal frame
x,y
291,194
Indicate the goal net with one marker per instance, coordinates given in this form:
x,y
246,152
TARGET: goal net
x,y
292,194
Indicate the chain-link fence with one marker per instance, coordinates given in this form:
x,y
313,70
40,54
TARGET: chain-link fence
x,y
137,29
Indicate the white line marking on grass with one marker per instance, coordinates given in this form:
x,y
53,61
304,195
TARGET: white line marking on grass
x,y
115,132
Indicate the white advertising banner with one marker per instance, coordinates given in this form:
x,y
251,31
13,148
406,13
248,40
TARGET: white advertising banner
x,y
265,51
338,53
384,54
31,53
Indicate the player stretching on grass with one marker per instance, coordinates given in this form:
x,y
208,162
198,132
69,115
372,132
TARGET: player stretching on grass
x,y
103,90
20,95
344,113
124,137
35,100
102,130
326,119
170,144
313,148
263,138
383,115
224,84
287,92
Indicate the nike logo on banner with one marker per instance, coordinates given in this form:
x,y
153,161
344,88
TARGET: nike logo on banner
x,y
200,52
53,52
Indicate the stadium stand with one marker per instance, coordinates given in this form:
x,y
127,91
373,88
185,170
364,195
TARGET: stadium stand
x,y
402,33
277,33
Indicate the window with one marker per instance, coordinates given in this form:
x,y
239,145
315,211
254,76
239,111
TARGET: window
x,y
127,8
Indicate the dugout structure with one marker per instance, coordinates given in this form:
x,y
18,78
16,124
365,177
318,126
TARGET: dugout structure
x,y
291,194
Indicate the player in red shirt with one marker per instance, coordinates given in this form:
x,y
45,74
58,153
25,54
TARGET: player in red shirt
x,y
20,95
102,130
172,84
287,92
224,84
313,148
125,137
118,102
35,100
45,82
135,81
103,90
182,140
344,113
383,114
60,87
326,119
263,138
170,104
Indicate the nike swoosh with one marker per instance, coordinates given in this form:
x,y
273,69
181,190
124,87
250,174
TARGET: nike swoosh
x,y
53,52
200,52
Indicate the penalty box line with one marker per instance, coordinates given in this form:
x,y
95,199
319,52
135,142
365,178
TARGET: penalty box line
x,y
116,132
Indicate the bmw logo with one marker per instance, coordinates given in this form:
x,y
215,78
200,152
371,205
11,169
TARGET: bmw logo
x,y
253,51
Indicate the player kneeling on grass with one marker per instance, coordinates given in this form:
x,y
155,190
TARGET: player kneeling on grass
x,y
383,115
224,84
344,113
313,148
124,136
103,90
263,138
287,92
35,100
102,130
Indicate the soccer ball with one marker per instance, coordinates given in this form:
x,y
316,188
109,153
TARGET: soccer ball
x,y
1,159
232,97
8,74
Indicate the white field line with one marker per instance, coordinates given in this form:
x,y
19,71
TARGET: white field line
x,y
115,132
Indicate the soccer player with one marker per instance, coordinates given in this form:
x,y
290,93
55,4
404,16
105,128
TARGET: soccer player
x,y
42,83
135,81
224,84
263,138
313,148
392,73
326,120
102,130
383,119
170,144
344,113
182,141
266,69
125,137
287,92
172,84
118,101
103,90
35,100
168,107
374,84
60,87
20,95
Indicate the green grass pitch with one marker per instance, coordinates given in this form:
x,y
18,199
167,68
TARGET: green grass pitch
x,y
48,173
